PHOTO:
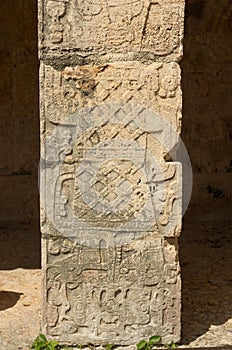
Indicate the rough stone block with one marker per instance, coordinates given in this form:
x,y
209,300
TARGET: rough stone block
x,y
104,30
108,180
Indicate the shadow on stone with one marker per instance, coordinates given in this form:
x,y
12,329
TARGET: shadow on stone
x,y
20,247
19,141
205,243
205,254
8,299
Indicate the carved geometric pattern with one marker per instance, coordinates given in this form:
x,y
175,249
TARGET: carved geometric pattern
x,y
110,200
155,86
112,177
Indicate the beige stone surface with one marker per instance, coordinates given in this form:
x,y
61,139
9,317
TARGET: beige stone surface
x,y
206,71
118,294
92,30
110,202
109,274
20,308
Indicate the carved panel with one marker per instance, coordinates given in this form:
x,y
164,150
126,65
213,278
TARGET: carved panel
x,y
104,175
106,28
155,86
109,202
121,293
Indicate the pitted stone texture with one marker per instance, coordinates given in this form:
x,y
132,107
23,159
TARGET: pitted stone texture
x,y
155,86
119,294
131,29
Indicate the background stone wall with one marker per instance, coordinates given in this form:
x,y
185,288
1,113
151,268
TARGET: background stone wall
x,y
19,130
205,243
207,106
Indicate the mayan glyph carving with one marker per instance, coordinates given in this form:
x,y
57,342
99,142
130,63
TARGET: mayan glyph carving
x,y
124,292
106,169
155,86
108,189
107,28
111,193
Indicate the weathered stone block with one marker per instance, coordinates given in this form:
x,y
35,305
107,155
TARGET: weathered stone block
x,y
104,176
119,30
155,86
118,294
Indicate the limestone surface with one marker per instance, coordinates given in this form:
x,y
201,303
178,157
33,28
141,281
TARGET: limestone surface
x,y
121,294
155,86
110,194
109,200
131,29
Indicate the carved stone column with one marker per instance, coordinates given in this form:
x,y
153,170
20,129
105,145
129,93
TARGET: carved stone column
x,y
110,200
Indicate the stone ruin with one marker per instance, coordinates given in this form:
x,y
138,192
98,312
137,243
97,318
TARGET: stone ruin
x,y
111,198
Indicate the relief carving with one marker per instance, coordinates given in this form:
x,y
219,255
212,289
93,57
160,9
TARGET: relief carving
x,y
156,86
115,200
111,203
102,27
106,177
85,295
55,10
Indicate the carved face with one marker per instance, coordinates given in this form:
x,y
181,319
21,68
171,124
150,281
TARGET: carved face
x,y
91,8
55,9
152,277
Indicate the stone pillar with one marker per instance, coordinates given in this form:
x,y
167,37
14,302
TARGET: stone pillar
x,y
110,196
